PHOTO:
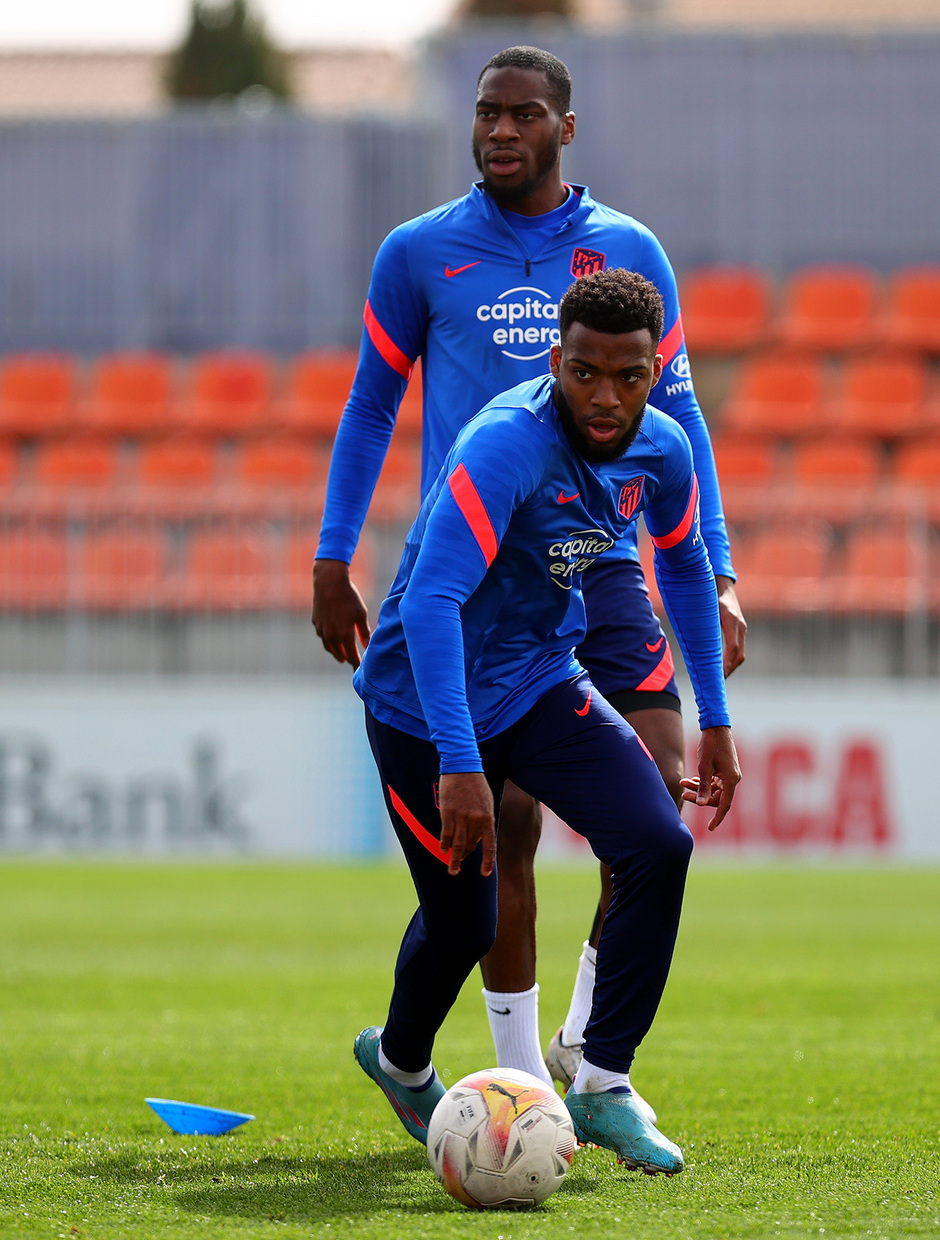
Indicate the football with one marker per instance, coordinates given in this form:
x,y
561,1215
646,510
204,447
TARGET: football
x,y
500,1139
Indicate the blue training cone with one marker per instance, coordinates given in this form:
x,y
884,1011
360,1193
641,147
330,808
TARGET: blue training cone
x,y
190,1119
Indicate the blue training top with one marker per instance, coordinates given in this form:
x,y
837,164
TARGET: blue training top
x,y
486,609
476,298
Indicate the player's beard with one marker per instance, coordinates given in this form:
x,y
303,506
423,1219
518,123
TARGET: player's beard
x,y
594,452
506,195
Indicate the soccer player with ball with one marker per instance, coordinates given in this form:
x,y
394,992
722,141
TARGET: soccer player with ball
x,y
470,679
473,289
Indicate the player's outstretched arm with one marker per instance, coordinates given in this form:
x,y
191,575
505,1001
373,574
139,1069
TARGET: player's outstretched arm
x,y
467,817
733,624
718,773
339,614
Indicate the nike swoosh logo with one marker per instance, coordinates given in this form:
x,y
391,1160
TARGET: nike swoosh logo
x,y
653,649
501,1011
587,705
457,270
566,499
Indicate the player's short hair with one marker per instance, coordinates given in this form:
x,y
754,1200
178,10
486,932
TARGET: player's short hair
x,y
614,301
555,71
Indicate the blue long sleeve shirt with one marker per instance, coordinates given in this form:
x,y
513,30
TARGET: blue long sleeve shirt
x,y
477,300
486,609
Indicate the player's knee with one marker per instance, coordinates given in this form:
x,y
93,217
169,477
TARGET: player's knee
x,y
520,828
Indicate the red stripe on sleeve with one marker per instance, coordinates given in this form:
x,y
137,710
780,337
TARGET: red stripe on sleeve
x,y
475,514
386,345
659,677
671,343
677,535
421,834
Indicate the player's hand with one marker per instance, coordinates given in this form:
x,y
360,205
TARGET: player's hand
x,y
718,773
467,817
733,624
339,614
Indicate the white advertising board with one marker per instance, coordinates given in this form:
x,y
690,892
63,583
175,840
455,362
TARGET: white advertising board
x,y
283,768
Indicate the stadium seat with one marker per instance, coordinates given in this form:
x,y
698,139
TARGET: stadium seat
x,y
229,394
887,571
776,394
176,463
226,570
837,461
398,493
916,469
784,570
912,313
745,460
279,463
37,392
881,394
123,571
725,309
8,465
130,395
33,571
828,309
75,465
315,393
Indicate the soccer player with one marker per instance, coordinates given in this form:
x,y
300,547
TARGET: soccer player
x,y
470,679
473,289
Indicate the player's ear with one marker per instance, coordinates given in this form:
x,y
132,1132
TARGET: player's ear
x,y
567,128
554,360
657,368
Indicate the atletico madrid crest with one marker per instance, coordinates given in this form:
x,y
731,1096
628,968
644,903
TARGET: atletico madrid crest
x,y
630,497
586,262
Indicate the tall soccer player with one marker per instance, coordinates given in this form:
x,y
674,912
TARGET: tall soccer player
x,y
472,288
470,679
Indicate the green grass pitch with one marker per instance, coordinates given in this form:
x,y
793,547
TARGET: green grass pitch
x,y
796,1057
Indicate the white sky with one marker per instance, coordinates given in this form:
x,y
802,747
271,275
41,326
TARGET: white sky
x,y
159,23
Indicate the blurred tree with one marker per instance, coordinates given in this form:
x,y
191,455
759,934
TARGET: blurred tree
x,y
225,52
514,8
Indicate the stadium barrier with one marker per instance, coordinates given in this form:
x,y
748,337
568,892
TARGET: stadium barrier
x,y
282,768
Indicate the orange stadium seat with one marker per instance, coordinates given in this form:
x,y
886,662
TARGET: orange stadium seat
x,y
836,461
784,570
229,393
279,463
887,571
75,464
33,571
725,309
828,309
316,391
912,314
225,570
776,394
745,460
130,394
881,394
8,465
916,468
398,493
176,463
123,571
37,392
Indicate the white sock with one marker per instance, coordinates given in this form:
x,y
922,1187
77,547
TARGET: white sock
x,y
514,1024
413,1080
582,996
591,1080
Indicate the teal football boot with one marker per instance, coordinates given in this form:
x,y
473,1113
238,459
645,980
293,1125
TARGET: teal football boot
x,y
614,1120
412,1106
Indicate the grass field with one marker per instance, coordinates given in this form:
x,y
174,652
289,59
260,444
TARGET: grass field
x,y
796,1057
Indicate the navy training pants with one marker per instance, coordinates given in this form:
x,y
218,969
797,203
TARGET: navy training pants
x,y
576,754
